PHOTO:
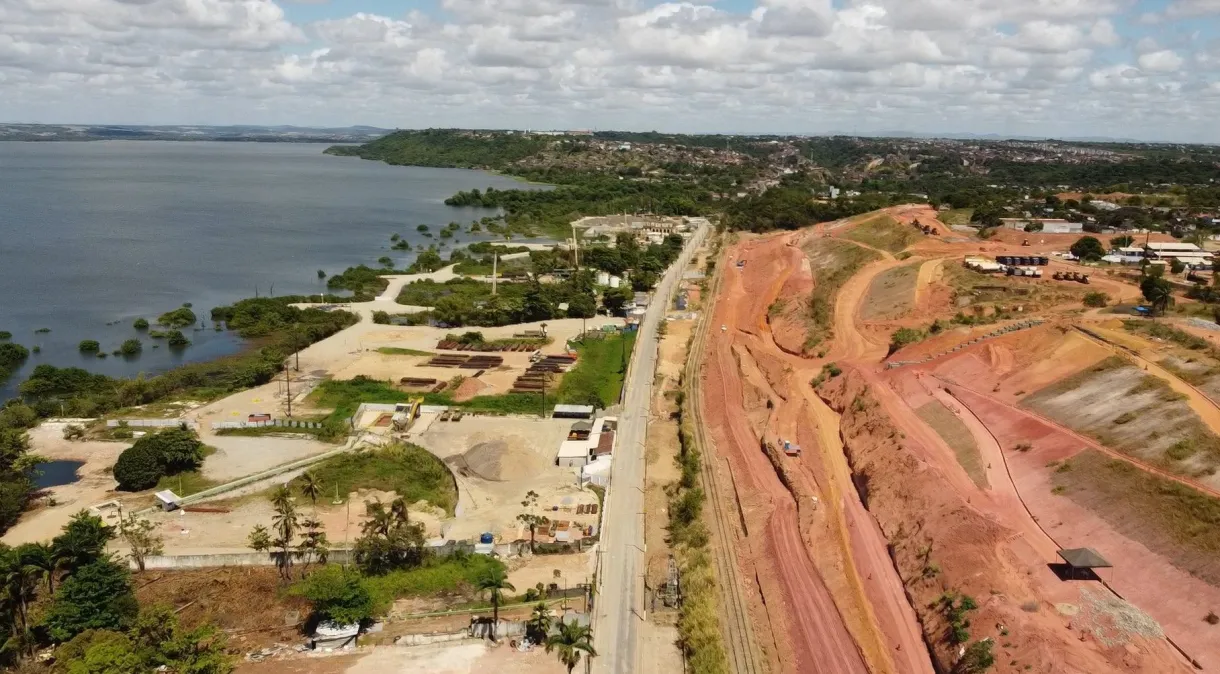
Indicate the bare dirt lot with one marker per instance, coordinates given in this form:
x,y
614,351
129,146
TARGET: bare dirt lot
x,y
464,657
493,482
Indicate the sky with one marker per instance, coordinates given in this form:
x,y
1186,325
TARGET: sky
x,y
1145,69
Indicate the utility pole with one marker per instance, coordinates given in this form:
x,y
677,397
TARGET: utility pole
x,y
288,390
575,248
495,257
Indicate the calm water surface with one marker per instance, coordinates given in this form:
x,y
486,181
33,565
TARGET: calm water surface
x,y
94,235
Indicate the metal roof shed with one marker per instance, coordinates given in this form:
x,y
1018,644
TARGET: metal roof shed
x,y
573,412
1083,559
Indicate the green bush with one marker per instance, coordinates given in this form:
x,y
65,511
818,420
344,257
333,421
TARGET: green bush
x,y
137,469
182,317
12,355
177,339
89,346
140,324
5,334
381,317
903,337
338,595
1096,299
131,347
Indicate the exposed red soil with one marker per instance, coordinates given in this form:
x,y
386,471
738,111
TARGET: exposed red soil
x,y
1176,599
832,594
974,552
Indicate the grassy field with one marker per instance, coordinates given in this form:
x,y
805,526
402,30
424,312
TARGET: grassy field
x,y
958,437
957,216
190,481
1176,521
891,294
396,351
599,371
410,471
344,396
885,233
833,262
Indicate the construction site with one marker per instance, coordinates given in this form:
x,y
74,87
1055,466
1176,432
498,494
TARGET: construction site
x,y
925,452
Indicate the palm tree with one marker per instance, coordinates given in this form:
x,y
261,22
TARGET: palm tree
x,y
539,624
495,582
399,513
285,522
379,519
569,641
311,486
41,557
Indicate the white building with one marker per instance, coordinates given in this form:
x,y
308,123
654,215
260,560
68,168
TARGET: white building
x,y
1188,253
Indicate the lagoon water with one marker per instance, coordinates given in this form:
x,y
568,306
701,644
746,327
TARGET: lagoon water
x,y
95,235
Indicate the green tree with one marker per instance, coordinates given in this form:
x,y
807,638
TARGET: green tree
x,y
137,469
494,582
131,347
1158,292
177,449
337,595
140,324
615,299
1123,241
1088,248
569,641
89,346
1177,266
101,652
311,487
142,539
82,541
285,524
177,339
582,306
96,596
259,539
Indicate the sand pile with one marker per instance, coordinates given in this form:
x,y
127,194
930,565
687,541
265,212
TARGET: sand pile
x,y
469,388
501,459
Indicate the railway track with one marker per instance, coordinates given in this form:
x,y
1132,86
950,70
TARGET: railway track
x,y
740,643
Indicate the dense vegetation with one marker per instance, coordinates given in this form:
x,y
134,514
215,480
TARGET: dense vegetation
x,y
156,455
597,379
72,594
11,357
279,328
444,148
181,317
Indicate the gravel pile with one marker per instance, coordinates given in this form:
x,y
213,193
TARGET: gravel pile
x,y
1111,620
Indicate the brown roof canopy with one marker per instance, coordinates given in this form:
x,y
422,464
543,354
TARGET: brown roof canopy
x,y
1084,558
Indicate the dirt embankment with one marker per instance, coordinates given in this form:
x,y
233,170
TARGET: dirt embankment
x,y
942,546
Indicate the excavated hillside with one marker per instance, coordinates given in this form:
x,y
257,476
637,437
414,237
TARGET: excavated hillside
x,y
945,550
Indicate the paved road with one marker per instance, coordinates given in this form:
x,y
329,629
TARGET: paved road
x,y
620,576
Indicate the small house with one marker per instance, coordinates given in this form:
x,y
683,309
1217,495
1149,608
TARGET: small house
x,y
168,500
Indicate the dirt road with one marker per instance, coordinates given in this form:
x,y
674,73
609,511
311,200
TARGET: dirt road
x,y
818,555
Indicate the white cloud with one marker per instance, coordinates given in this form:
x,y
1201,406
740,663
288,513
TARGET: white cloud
x,y
1189,8
1164,61
1035,66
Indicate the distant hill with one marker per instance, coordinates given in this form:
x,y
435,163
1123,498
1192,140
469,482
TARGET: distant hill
x,y
242,133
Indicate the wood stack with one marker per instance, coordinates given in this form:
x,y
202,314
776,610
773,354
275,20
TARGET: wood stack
x,y
482,363
540,374
447,360
451,345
